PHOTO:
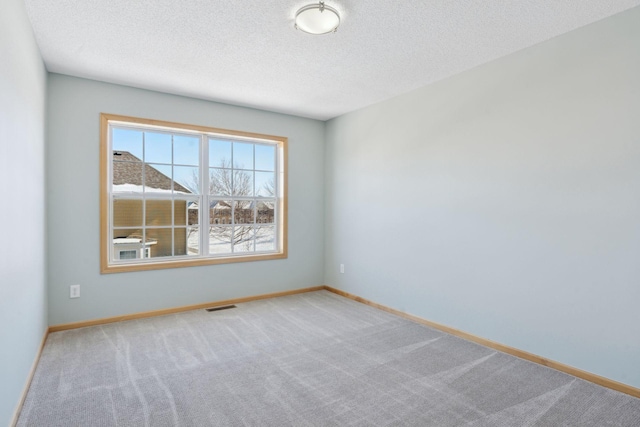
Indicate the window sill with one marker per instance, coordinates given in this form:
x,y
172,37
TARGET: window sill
x,y
161,265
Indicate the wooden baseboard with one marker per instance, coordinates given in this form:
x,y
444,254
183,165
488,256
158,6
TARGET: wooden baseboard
x,y
25,390
588,376
163,312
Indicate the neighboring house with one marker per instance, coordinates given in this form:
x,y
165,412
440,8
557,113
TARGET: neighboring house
x,y
127,173
220,212
128,212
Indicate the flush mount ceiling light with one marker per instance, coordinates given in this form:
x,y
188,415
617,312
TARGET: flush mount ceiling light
x,y
317,19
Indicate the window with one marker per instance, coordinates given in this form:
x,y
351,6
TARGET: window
x,y
175,195
133,254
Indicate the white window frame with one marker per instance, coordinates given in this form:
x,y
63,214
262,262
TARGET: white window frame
x,y
110,262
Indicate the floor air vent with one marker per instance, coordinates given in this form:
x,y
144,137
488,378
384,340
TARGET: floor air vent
x,y
224,307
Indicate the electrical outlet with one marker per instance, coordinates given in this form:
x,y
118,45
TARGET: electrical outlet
x,y
74,291
342,268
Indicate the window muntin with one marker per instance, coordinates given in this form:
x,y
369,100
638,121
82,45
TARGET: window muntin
x,y
159,176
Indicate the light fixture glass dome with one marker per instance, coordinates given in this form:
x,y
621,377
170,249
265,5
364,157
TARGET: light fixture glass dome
x,y
317,19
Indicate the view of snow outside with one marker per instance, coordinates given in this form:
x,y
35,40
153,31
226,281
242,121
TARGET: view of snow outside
x,y
236,169
220,242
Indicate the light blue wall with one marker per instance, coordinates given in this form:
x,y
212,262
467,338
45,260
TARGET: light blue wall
x,y
23,305
504,201
73,205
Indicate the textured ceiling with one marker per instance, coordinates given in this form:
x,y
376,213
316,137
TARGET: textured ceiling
x,y
248,52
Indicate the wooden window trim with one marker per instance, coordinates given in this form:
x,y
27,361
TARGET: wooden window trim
x,y
105,267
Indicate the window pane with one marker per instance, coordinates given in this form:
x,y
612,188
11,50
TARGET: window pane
x,y
219,153
158,212
157,148
127,143
243,239
266,212
186,179
243,183
220,239
220,212
125,240
127,213
265,157
128,233
159,241
242,155
127,177
157,178
243,212
193,241
220,182
193,213
265,238
180,241
180,212
265,184
186,150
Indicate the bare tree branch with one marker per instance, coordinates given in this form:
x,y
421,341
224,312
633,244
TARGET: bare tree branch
x,y
234,182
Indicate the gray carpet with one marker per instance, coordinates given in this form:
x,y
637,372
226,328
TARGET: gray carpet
x,y
304,360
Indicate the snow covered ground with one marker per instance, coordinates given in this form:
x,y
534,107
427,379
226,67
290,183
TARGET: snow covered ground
x,y
220,241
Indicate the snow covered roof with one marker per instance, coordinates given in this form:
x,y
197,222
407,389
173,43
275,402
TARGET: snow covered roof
x,y
125,240
137,189
127,176
132,240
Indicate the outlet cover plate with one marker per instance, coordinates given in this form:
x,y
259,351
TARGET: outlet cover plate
x,y
74,291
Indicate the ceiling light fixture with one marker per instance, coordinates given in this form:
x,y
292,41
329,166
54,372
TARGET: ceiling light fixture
x,y
317,19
